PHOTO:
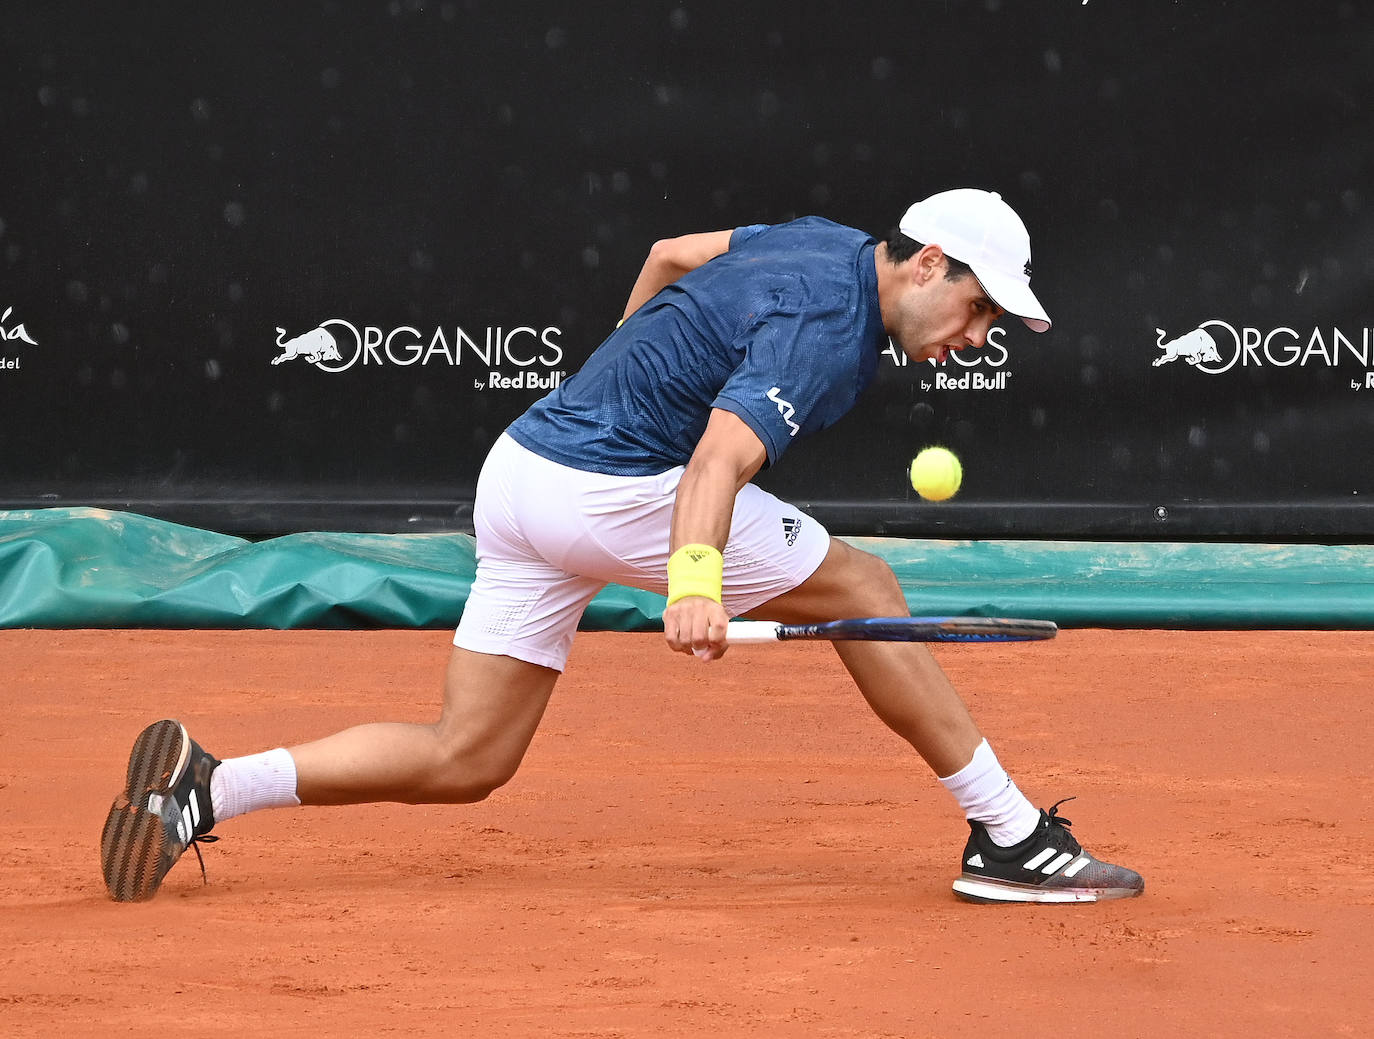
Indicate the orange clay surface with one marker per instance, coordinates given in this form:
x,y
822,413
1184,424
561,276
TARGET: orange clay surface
x,y
705,850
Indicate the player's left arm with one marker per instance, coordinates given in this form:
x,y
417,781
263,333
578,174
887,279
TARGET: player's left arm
x,y
725,459
670,259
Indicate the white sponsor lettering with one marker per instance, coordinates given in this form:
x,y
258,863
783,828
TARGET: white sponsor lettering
x,y
992,355
14,333
337,345
521,381
972,381
1216,347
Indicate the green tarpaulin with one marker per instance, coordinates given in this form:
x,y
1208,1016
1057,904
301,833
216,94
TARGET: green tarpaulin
x,y
78,567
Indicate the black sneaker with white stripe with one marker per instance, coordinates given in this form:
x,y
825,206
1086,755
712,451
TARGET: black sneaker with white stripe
x,y
164,809
1048,866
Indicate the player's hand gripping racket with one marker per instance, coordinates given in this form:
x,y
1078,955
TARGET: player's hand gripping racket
x,y
895,629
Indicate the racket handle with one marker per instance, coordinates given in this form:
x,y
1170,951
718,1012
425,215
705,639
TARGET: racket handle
x,y
739,633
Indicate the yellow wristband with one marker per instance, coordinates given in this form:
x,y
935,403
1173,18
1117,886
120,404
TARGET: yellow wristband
x,y
695,570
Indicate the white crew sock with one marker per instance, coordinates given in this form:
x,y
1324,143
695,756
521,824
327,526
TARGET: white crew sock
x,y
246,784
987,795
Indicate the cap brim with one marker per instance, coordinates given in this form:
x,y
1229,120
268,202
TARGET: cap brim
x,y
1015,297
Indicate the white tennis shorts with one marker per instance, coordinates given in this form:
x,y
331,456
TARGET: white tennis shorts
x,y
550,537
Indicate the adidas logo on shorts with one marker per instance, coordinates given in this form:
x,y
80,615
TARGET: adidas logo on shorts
x,y
790,529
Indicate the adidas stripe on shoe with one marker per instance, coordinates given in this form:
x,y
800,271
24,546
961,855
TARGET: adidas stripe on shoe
x,y
164,809
1048,866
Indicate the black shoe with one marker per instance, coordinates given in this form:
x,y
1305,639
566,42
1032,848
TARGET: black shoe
x,y
164,809
1048,866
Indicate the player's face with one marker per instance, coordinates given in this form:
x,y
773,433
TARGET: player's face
x,y
936,316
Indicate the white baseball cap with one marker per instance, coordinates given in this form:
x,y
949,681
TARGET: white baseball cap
x,y
984,232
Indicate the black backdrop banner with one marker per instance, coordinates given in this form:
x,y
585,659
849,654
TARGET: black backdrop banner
x,y
271,267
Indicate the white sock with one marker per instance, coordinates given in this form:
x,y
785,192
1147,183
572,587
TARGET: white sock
x,y
241,785
987,795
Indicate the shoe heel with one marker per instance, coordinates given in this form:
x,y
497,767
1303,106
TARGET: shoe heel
x,y
130,849
159,755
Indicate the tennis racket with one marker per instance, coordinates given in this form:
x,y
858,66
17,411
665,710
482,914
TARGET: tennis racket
x,y
894,629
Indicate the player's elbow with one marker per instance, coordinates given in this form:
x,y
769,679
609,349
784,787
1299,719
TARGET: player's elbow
x,y
674,257
668,260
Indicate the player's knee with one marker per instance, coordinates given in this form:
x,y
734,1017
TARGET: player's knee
x,y
874,585
470,772
478,788
849,583
467,785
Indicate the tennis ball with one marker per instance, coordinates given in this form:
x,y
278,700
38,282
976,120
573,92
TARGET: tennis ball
x,y
936,474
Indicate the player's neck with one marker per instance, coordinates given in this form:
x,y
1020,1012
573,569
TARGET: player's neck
x,y
892,282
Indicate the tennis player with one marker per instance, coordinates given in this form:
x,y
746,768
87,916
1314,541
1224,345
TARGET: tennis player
x,y
637,471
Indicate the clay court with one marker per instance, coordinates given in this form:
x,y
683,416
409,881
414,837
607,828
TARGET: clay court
x,y
726,850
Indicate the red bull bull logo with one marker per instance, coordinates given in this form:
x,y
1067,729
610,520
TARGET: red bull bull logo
x,y
315,346
1197,347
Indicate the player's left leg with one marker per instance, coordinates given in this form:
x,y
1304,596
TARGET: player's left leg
x,y
902,682
1015,853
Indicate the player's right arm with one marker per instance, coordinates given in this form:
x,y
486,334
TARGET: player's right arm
x,y
725,459
670,259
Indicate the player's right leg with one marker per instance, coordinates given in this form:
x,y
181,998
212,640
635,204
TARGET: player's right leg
x,y
175,792
163,809
492,707
511,645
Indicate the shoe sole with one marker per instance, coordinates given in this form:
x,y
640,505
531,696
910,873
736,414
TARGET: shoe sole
x,y
988,892
134,838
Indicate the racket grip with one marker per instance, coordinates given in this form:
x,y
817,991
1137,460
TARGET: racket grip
x,y
739,633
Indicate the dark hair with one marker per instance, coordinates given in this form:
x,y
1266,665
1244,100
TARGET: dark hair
x,y
901,248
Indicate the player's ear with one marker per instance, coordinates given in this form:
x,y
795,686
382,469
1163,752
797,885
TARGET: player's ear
x,y
929,263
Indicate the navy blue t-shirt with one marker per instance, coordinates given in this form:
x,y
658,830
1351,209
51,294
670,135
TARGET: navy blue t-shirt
x,y
784,330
